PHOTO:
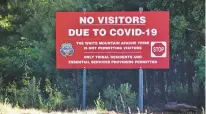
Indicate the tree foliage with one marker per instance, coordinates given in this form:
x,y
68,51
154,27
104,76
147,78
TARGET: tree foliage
x,y
28,74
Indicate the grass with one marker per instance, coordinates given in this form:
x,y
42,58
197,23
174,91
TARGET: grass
x,y
7,109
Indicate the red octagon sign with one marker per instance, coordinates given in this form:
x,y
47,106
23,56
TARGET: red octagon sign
x,y
158,49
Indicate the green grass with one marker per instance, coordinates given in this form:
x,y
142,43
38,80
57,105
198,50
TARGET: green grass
x,y
7,109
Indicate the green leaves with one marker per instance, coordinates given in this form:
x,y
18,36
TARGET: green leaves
x,y
3,51
99,104
5,22
115,96
200,64
32,24
178,28
179,22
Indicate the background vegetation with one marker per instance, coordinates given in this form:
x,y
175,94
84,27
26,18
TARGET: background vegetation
x,y
28,77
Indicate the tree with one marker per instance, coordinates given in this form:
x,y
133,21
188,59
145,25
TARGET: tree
x,y
186,31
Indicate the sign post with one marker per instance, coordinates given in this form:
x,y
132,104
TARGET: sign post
x,y
140,93
84,89
84,82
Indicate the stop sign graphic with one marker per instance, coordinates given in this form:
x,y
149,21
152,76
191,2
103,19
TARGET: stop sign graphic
x,y
158,49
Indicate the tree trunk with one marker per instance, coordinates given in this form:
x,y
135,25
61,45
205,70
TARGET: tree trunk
x,y
162,74
190,74
201,97
144,85
75,79
148,86
152,84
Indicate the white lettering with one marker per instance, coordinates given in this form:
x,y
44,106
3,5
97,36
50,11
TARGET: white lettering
x,y
112,32
142,19
127,32
86,20
78,32
101,20
102,32
120,20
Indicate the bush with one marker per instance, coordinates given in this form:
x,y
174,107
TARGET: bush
x,y
120,98
28,96
99,104
177,93
54,97
54,101
68,103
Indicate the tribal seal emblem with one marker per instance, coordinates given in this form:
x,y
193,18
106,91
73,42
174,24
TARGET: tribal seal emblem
x,y
66,49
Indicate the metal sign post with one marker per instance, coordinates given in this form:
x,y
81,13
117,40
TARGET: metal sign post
x,y
140,93
84,82
84,89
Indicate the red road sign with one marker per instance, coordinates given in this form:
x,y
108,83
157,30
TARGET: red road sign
x,y
158,49
112,40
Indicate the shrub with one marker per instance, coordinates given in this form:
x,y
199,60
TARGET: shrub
x,y
68,103
177,93
120,98
28,96
55,99
99,104
31,97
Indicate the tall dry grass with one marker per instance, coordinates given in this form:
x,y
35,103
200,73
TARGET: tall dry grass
x,y
7,109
